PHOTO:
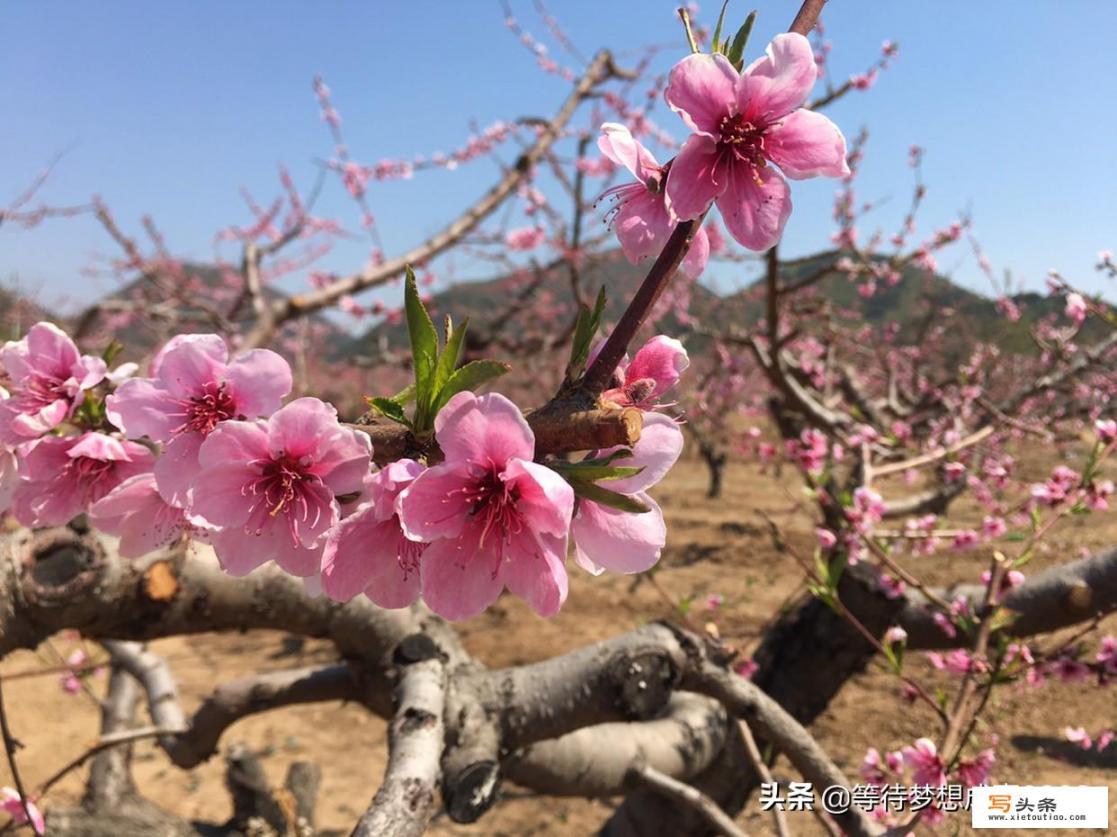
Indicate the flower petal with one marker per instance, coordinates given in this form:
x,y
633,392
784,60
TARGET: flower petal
x,y
435,506
642,225
702,89
657,450
777,83
140,408
260,380
483,429
545,500
617,143
539,576
807,144
697,177
616,540
177,468
459,577
699,253
755,213
186,367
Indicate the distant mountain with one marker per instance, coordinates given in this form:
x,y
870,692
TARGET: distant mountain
x,y
17,313
909,303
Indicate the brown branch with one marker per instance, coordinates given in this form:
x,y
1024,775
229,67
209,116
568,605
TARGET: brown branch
x,y
761,768
556,431
600,70
807,17
405,802
10,747
685,794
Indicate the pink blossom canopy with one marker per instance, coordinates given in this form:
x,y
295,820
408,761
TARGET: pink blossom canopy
x,y
493,517
742,122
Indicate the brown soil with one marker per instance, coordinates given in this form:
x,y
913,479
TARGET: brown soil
x,y
714,548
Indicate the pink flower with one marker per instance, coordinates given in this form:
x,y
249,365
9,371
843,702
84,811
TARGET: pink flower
x,y
62,476
826,538
640,216
49,378
492,516
895,634
1079,736
976,772
271,487
1106,430
871,770
926,766
14,807
743,122
654,370
193,389
1107,654
136,513
610,539
368,552
525,238
1076,308
1105,738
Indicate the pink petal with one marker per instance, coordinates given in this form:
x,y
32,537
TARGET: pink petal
x,y
616,540
235,441
657,450
260,380
702,89
209,344
617,143
50,349
219,493
136,513
240,552
362,556
177,468
434,506
545,500
755,214
343,459
699,253
140,408
697,177
779,82
662,359
459,577
642,225
483,429
807,144
538,576
189,365
297,427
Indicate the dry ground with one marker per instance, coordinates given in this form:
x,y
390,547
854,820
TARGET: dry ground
x,y
714,548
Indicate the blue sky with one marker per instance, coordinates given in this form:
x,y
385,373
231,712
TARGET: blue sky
x,y
169,108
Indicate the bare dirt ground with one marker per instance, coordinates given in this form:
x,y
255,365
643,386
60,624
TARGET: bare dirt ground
x,y
714,548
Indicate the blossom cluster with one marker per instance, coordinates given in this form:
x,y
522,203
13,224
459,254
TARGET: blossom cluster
x,y
750,132
205,447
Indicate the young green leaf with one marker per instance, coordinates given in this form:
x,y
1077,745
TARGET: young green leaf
x,y
389,408
592,471
736,54
716,40
468,377
424,339
450,355
586,326
605,497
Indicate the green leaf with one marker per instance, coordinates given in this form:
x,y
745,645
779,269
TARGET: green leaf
x,y
605,497
717,29
405,395
591,471
469,377
586,326
450,355
424,339
736,54
389,408
112,351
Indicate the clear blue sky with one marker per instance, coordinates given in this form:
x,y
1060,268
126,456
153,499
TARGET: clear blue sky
x,y
169,108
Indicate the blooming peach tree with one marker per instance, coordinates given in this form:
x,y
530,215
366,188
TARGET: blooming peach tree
x,y
206,489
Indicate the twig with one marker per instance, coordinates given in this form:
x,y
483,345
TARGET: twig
x,y
10,746
761,768
686,794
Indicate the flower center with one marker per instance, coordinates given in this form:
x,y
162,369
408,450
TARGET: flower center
x,y
493,503
408,555
280,486
40,391
93,475
743,138
204,412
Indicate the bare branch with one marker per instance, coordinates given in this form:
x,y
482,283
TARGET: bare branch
x,y
686,795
